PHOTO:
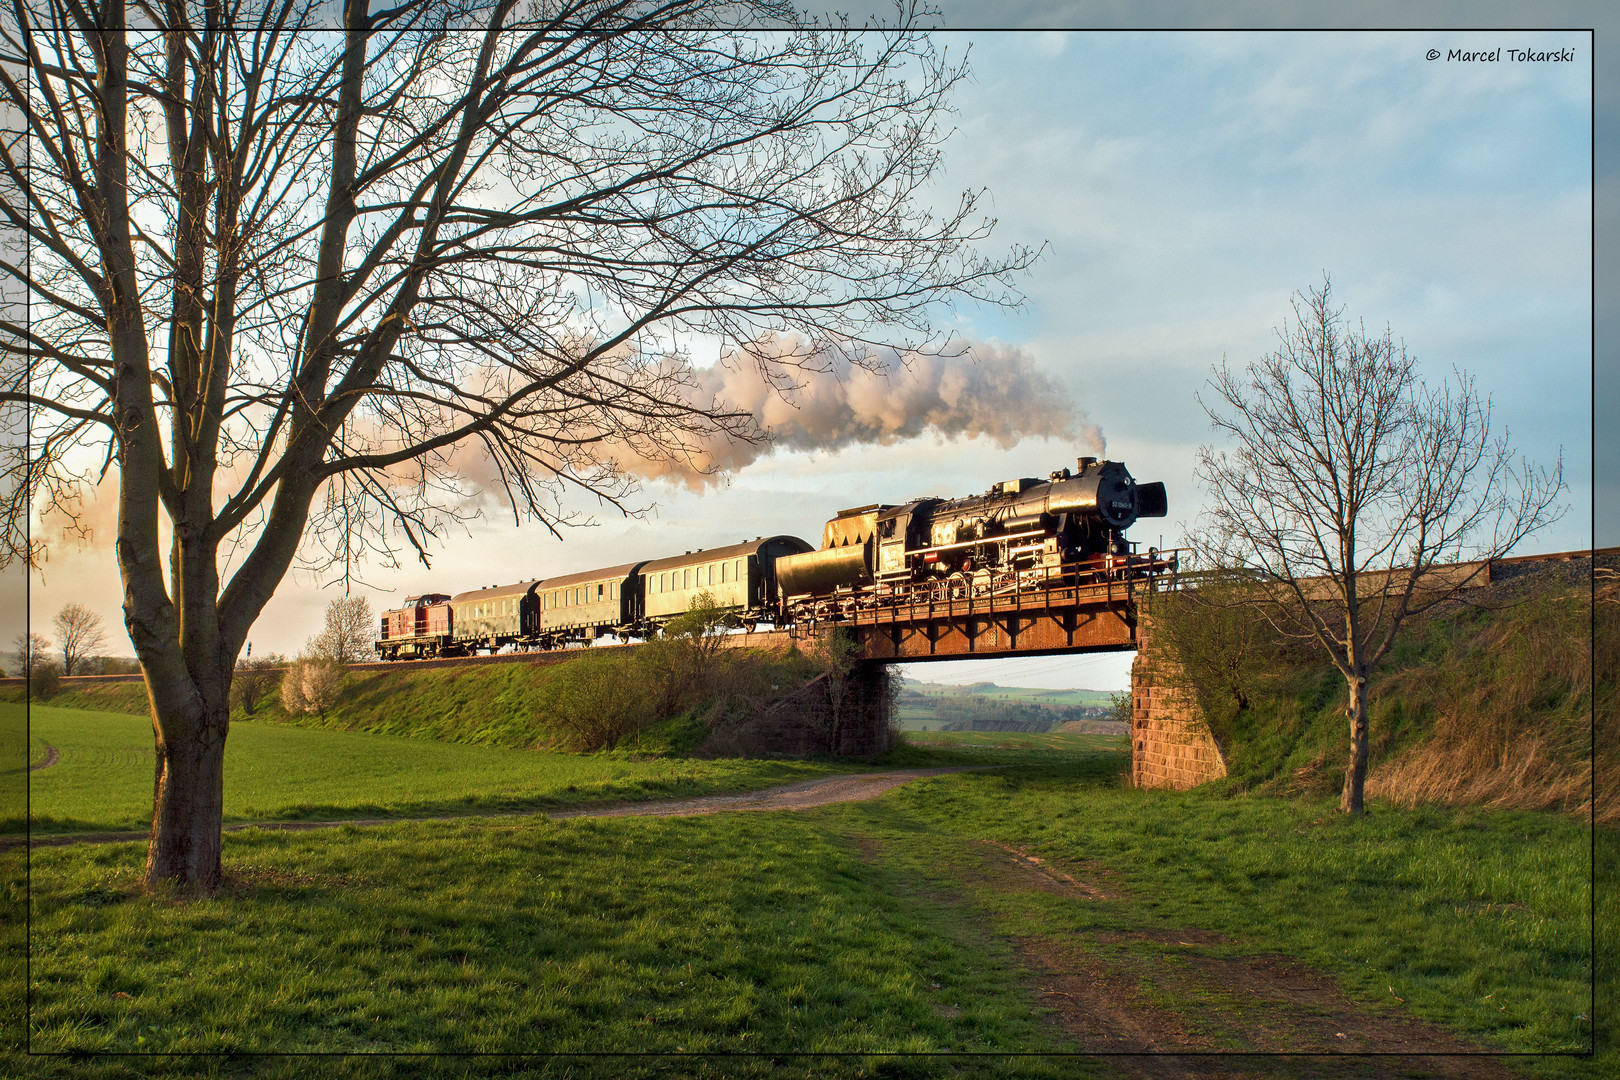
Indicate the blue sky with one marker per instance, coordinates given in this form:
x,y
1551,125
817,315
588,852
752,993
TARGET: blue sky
x,y
1185,185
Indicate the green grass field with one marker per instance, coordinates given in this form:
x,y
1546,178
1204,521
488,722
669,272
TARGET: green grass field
x,y
103,780
888,926
1019,742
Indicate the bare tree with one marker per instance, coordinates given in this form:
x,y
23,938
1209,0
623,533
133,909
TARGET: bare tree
x,y
82,636
349,633
256,676
31,649
1350,485
291,289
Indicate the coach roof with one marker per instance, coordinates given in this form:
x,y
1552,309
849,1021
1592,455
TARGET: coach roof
x,y
495,592
720,554
607,573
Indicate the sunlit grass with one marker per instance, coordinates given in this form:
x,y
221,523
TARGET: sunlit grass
x,y
703,934
1480,920
103,779
858,928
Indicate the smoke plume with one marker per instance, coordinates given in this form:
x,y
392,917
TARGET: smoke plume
x,y
825,402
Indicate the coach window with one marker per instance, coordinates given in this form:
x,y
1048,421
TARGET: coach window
x,y
686,578
725,572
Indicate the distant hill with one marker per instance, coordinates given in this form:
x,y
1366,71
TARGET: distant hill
x,y
988,706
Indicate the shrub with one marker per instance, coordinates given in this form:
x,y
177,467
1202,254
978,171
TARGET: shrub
x,y
595,702
680,667
44,679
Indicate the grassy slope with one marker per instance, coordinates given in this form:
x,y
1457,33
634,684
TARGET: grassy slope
x,y
483,705
1502,697
274,772
852,928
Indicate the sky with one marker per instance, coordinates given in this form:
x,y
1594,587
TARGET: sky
x,y
1184,186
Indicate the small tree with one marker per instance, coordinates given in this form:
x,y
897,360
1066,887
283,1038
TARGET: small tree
x,y
311,685
349,632
31,649
322,685
82,636
681,661
255,678
1349,485
292,688
590,704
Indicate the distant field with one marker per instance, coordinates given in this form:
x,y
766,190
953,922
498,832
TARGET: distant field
x,y
103,780
1064,742
1029,694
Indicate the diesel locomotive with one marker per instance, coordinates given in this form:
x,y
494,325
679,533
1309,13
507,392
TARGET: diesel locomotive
x,y
1021,534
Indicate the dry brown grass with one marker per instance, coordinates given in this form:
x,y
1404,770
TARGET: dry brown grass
x,y
1513,713
1526,774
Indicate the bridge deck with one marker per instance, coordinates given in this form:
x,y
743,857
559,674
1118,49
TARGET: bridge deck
x,y
1057,617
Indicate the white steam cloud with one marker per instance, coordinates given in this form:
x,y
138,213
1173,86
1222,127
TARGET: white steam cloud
x,y
990,391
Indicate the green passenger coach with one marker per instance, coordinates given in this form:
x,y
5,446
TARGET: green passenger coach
x,y
584,606
741,578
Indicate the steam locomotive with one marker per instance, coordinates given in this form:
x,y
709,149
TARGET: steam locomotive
x,y
1020,534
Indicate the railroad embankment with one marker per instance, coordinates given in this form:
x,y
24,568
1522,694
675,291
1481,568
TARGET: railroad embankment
x,y
1490,702
675,695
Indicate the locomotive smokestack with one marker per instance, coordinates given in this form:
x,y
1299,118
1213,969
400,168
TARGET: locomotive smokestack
x,y
1086,462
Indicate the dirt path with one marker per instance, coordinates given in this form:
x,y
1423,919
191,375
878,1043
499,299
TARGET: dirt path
x,y
51,758
851,787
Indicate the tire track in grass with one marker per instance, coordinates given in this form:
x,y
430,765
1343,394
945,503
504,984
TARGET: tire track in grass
x,y
802,795
52,756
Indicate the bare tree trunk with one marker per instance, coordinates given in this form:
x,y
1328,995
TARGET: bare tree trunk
x,y
188,801
1355,775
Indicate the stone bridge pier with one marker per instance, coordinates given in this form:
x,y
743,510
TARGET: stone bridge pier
x,y
1171,744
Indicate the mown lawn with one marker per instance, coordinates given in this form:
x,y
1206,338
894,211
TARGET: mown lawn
x,y
865,929
103,780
